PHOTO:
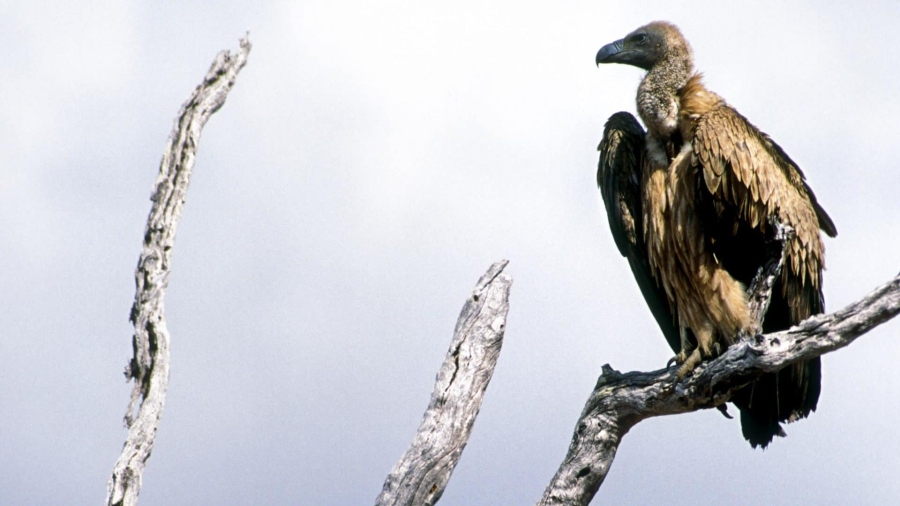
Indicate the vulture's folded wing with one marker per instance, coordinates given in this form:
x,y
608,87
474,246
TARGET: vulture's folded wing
x,y
744,169
619,176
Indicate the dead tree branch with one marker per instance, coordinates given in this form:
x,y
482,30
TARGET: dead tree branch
x,y
760,290
422,473
620,401
149,368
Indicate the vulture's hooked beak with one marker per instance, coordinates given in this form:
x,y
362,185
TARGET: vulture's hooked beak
x,y
612,53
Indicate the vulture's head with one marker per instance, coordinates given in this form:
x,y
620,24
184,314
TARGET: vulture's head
x,y
647,46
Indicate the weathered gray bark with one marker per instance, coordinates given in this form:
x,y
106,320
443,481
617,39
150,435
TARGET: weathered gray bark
x,y
619,401
422,473
760,290
149,368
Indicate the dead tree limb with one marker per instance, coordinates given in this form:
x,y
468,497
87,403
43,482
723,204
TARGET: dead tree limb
x,y
759,292
619,401
149,368
422,473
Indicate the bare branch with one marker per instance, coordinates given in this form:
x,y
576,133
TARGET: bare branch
x,y
149,368
760,290
421,475
619,401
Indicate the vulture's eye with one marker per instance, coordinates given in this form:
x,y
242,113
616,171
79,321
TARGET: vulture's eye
x,y
639,38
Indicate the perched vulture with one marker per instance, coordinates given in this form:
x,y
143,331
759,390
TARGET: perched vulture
x,y
691,203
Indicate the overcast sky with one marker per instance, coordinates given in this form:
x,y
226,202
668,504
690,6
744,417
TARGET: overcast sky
x,y
373,159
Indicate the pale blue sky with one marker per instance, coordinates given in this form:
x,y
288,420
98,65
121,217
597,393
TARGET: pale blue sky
x,y
372,161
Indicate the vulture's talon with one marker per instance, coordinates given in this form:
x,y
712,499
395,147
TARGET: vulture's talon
x,y
688,366
679,358
724,409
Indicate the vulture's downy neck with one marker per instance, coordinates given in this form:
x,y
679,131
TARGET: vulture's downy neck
x,y
658,93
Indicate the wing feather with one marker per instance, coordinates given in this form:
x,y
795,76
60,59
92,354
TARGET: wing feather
x,y
618,177
743,167
620,152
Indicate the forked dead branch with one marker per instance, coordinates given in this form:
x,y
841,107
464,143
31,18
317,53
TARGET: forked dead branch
x,y
620,401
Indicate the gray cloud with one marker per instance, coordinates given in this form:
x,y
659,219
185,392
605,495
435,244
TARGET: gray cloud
x,y
372,161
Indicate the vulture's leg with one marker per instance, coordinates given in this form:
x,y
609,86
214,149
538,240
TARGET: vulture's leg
x,y
704,349
682,355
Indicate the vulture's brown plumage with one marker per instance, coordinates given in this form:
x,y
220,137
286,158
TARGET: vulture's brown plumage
x,y
691,203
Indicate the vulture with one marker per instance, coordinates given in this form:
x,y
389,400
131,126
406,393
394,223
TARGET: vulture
x,y
692,204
